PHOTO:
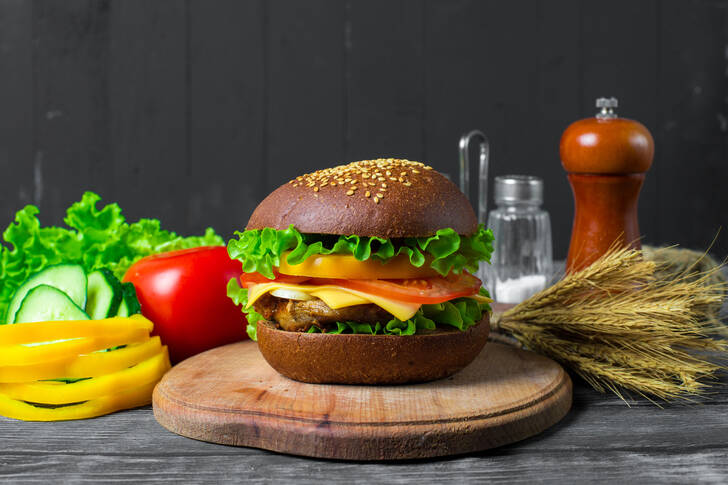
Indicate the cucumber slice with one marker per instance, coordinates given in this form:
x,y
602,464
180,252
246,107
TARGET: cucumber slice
x,y
130,303
104,294
45,303
123,309
69,278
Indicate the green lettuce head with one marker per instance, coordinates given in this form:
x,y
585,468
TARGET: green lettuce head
x,y
95,238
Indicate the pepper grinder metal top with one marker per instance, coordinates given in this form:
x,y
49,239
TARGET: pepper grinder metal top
x,y
606,158
607,106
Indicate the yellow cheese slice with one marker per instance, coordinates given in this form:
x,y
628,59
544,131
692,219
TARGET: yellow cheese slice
x,y
400,309
338,297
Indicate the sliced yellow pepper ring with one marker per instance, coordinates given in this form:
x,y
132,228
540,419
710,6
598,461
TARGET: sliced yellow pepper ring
x,y
131,398
36,332
348,267
86,365
11,355
151,370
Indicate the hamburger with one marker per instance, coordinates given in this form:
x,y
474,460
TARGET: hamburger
x,y
363,274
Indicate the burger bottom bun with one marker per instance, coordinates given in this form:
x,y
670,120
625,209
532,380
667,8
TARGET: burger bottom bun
x,y
370,359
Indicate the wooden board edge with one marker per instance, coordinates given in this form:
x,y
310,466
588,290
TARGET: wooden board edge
x,y
365,442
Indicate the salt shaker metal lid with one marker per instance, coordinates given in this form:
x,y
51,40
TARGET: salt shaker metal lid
x,y
511,189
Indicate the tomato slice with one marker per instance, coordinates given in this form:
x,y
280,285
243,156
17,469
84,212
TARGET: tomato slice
x,y
249,279
418,290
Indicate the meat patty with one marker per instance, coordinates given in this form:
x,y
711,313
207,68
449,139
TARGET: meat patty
x,y
299,316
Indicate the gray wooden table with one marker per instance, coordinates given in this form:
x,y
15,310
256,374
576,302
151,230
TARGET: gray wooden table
x,y
601,439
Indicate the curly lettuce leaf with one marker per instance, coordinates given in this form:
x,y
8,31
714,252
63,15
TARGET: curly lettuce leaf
x,y
239,296
96,238
392,327
260,250
461,313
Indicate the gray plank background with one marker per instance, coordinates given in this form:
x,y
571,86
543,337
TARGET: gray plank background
x,y
191,111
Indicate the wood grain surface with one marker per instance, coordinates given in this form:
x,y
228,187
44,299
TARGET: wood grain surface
x,y
601,439
230,395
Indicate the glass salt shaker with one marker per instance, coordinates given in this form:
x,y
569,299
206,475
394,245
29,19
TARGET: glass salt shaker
x,y
521,263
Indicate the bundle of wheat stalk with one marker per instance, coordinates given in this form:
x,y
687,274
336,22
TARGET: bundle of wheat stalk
x,y
674,262
621,328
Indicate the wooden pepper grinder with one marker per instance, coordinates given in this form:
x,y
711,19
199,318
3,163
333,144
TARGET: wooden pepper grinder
x,y
606,158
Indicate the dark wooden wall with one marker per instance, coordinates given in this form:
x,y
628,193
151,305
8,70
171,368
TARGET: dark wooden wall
x,y
193,110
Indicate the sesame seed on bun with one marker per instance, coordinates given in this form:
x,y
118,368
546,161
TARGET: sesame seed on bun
x,y
388,198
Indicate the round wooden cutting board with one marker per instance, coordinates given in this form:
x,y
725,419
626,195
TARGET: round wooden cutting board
x,y
230,395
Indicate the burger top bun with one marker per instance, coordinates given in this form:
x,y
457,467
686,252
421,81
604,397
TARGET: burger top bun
x,y
387,198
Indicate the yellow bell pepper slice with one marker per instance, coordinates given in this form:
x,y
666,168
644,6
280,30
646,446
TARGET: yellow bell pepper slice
x,y
11,355
37,332
86,365
151,370
348,267
131,398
